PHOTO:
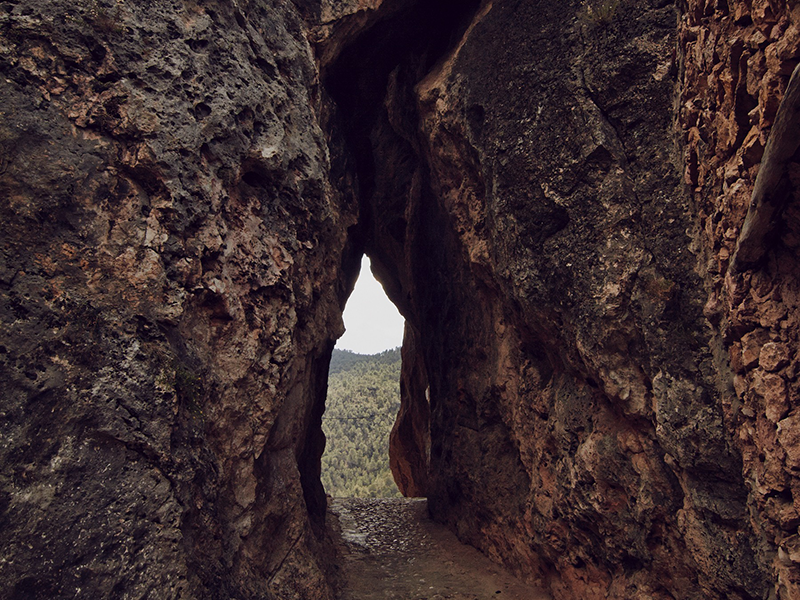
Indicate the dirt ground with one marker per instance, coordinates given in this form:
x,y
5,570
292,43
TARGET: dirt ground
x,y
392,551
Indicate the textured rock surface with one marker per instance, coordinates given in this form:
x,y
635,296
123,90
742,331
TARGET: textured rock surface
x,y
534,225
738,62
391,549
410,440
170,267
551,194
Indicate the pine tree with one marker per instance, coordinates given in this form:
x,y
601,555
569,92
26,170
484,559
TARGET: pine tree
x,y
363,400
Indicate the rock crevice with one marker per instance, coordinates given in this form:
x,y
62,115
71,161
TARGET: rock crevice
x,y
551,193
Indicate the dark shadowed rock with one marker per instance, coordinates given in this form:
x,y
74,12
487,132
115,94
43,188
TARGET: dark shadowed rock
x,y
170,267
551,193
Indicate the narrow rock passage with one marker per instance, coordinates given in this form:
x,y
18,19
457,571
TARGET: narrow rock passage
x,y
393,551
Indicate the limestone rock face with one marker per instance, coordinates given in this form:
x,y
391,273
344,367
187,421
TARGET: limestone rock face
x,y
551,193
738,62
170,268
530,217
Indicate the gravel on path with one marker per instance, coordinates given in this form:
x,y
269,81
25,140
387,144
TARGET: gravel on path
x,y
393,551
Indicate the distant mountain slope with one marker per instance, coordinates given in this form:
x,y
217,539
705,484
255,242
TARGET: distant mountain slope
x,y
344,360
363,400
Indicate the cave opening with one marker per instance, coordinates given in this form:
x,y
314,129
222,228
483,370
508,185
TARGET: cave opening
x,y
373,323
363,395
376,158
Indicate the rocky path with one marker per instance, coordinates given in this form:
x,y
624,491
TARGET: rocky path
x,y
393,551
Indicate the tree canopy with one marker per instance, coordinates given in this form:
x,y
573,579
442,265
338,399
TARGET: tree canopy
x,y
363,400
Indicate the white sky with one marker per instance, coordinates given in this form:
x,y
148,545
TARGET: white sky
x,y
372,321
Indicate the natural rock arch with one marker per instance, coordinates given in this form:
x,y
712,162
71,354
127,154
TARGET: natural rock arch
x,y
186,191
534,225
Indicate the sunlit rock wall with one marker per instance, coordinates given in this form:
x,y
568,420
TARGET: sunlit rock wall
x,y
738,57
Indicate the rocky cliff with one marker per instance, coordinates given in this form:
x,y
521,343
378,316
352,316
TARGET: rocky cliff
x,y
599,383
172,281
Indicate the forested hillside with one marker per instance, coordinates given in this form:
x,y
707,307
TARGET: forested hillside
x,y
363,400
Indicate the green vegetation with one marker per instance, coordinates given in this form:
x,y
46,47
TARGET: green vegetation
x,y
363,400
599,12
187,385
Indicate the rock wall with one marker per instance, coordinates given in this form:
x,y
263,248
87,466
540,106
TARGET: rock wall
x,y
592,424
738,59
551,194
171,286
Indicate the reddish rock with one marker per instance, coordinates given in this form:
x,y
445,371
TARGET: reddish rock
x,y
590,395
751,347
171,285
569,418
410,439
789,439
773,356
772,388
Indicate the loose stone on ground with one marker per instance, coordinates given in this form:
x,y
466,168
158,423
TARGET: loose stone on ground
x,y
393,551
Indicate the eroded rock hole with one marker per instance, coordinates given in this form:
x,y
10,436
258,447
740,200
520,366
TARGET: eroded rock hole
x,y
363,395
371,82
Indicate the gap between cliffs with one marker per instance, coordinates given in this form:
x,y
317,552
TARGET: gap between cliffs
x,y
376,158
